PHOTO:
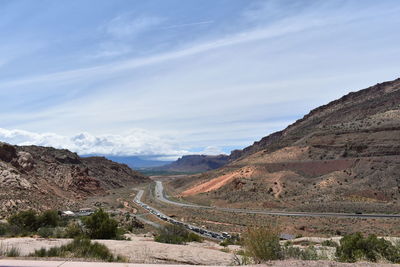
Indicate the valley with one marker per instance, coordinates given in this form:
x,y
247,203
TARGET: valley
x,y
328,175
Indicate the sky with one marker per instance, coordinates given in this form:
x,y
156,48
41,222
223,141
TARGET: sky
x,y
165,78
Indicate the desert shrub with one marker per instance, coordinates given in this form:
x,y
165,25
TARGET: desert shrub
x,y
192,237
25,220
13,252
49,218
59,232
9,251
99,225
262,244
3,229
233,240
80,248
175,234
329,243
45,232
355,247
73,230
309,253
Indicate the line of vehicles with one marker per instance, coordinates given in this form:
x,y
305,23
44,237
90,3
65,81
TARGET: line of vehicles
x,y
200,231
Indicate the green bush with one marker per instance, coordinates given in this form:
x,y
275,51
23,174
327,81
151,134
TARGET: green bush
x,y
355,247
9,251
49,218
3,229
329,243
309,253
59,232
25,220
262,244
192,237
73,230
175,234
13,252
45,232
15,230
100,226
233,240
80,248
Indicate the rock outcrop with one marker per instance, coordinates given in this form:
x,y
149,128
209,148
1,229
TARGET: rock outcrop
x,y
42,178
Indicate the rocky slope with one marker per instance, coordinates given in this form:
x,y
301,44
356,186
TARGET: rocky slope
x,y
41,177
195,163
343,156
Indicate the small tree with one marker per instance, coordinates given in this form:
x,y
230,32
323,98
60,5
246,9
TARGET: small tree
x,y
100,226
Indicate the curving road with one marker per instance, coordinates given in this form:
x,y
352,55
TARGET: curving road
x,y
162,216
160,195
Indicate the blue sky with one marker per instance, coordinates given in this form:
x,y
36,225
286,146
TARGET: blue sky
x,y
173,77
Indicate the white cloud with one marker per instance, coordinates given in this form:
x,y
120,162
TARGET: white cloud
x,y
222,92
137,142
128,26
188,24
276,30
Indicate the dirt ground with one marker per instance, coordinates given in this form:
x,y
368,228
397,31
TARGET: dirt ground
x,y
140,249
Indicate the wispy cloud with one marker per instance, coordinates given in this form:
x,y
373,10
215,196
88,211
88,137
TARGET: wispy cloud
x,y
222,80
188,24
131,26
234,39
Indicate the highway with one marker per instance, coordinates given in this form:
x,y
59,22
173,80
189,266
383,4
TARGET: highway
x,y
161,196
162,216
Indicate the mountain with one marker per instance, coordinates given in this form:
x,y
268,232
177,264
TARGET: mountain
x,y
138,162
43,177
343,156
194,164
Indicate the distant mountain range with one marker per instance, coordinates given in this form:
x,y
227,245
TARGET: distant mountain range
x,y
194,164
136,162
185,164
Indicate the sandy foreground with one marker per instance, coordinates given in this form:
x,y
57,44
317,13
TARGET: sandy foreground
x,y
140,249
290,263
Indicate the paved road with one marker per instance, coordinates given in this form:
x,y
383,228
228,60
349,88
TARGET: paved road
x,y
138,197
160,195
30,263
162,216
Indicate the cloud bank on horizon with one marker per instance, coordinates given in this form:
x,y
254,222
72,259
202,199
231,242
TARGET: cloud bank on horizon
x,y
175,77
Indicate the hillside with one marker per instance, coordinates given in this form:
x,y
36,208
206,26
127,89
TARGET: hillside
x,y
343,156
194,164
42,178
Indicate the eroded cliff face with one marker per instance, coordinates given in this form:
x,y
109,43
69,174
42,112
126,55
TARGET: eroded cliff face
x,y
43,178
343,156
